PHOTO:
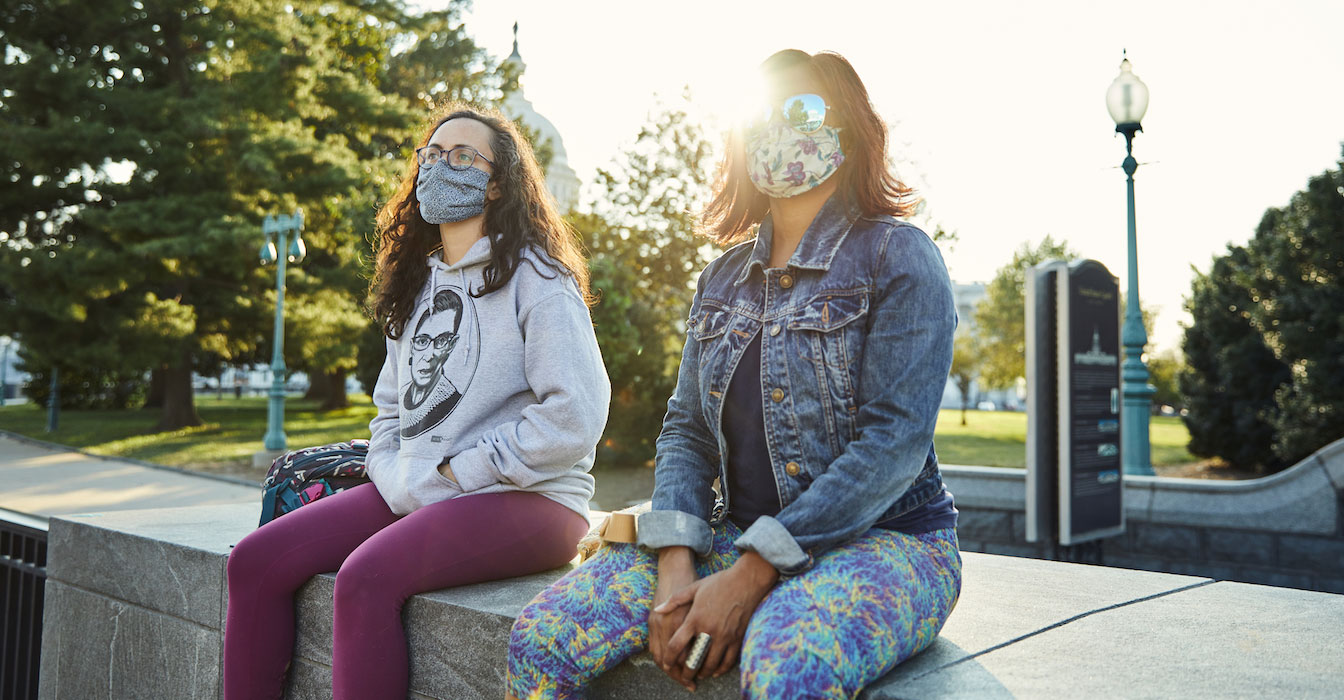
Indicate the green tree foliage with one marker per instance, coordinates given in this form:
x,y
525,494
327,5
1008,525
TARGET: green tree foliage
x,y
965,367
143,145
1231,376
1164,369
1265,382
644,257
1000,318
1296,289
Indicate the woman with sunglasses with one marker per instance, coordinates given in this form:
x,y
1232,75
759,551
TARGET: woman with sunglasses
x,y
815,359
490,405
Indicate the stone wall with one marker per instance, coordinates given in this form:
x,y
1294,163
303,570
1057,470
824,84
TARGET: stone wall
x,y
1283,530
136,603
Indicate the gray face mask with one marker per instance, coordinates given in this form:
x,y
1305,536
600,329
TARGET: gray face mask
x,y
448,195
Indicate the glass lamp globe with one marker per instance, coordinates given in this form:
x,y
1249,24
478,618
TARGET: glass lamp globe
x,y
297,249
1127,98
267,252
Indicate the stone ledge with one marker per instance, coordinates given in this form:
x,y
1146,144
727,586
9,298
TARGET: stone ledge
x,y
1302,499
458,636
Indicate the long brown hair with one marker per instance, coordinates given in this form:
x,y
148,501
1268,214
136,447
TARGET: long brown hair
x,y
864,180
522,216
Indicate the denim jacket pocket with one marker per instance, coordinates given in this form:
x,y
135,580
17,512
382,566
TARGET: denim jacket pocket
x,y
829,337
711,323
828,332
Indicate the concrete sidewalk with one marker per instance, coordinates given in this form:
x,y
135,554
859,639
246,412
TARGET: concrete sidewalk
x,y
43,480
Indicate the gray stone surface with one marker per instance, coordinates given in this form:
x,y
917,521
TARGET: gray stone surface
x,y
1243,547
1298,499
1165,540
94,646
984,524
458,637
1138,499
313,619
986,487
1312,553
1331,460
1004,598
1216,641
639,678
155,574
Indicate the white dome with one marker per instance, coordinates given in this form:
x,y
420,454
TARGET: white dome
x,y
561,179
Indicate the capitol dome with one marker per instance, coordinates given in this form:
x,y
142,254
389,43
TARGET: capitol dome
x,y
561,179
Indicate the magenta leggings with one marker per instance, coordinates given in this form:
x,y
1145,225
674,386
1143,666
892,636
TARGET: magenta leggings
x,y
380,560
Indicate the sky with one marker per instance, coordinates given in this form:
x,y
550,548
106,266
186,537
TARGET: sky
x,y
997,109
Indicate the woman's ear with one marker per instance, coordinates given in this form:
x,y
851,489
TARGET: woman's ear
x,y
492,192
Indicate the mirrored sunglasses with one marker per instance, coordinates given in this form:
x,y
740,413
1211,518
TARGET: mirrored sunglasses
x,y
804,112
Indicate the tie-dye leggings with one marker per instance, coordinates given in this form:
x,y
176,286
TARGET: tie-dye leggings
x,y
860,610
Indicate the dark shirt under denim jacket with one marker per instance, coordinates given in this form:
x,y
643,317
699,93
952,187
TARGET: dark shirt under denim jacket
x,y
855,341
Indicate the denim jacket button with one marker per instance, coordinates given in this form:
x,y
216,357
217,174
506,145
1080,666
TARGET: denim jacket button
x,y
774,330
792,468
777,395
786,281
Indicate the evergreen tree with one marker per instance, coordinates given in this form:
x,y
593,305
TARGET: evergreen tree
x,y
1231,376
144,147
1296,289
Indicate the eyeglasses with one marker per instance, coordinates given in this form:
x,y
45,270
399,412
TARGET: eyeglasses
x,y
805,113
440,341
457,157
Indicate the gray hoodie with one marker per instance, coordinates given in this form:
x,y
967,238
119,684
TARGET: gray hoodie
x,y
510,386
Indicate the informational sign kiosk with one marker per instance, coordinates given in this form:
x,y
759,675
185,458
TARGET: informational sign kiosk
x,y
1074,490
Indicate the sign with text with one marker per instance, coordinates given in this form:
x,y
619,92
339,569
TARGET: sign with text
x,y
1074,487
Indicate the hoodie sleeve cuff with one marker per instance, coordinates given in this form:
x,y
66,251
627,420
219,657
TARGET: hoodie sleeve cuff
x,y
674,528
473,470
768,538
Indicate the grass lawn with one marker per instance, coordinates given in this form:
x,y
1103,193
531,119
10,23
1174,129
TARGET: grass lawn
x,y
232,432
234,427
999,439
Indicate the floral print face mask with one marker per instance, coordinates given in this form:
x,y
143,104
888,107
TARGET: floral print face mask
x,y
785,163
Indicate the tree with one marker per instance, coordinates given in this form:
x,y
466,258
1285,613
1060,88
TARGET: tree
x,y
1164,369
144,147
965,367
1231,376
644,257
1296,289
1000,318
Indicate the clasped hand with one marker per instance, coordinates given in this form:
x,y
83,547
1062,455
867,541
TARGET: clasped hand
x,y
719,605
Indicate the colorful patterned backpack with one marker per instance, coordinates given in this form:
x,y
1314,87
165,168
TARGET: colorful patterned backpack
x,y
300,477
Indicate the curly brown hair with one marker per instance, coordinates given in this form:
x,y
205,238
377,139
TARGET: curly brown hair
x,y
865,179
522,216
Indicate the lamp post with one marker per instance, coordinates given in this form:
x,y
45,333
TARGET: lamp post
x,y
276,229
1127,100
5,341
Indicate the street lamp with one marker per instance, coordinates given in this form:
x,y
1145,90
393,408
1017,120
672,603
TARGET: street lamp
x,y
276,229
5,342
1127,100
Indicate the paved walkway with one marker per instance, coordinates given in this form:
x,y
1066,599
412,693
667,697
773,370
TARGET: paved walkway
x,y
43,480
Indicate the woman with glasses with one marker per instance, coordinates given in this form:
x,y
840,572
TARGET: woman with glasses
x,y
799,525
490,405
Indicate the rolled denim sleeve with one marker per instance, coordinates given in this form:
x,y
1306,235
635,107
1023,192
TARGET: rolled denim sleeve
x,y
687,460
908,352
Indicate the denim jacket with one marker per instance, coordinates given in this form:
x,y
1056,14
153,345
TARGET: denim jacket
x,y
856,350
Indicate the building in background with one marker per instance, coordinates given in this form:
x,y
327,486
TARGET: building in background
x,y
561,179
966,297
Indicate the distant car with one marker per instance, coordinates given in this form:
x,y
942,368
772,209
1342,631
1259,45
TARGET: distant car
x,y
986,406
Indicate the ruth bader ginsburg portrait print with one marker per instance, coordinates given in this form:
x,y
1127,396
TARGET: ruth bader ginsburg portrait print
x,y
444,349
